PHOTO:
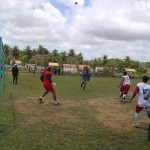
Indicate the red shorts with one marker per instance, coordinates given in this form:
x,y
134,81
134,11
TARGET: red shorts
x,y
49,87
138,108
125,88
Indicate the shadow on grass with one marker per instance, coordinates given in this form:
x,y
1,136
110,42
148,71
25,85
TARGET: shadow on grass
x,y
143,128
124,102
86,91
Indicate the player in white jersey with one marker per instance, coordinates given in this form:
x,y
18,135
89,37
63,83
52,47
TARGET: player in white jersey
x,y
147,97
124,86
141,89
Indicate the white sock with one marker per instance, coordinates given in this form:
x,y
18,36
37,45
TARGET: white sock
x,y
137,119
41,97
124,95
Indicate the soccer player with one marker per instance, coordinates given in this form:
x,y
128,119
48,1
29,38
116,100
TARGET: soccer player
x,y
46,78
124,86
85,79
147,97
15,73
141,89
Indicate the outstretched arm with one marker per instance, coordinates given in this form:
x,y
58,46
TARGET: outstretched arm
x,y
121,82
134,93
42,78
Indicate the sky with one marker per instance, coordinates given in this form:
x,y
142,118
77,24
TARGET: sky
x,y
116,28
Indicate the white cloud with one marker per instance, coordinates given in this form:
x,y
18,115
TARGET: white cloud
x,y
117,28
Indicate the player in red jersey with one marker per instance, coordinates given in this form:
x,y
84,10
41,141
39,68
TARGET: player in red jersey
x,y
46,78
124,86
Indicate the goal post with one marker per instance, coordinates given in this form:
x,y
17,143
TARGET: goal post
x,y
2,56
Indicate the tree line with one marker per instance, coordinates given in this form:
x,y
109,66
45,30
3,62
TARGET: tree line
x,y
42,56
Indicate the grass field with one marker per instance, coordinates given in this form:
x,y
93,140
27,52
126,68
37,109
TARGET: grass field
x,y
94,119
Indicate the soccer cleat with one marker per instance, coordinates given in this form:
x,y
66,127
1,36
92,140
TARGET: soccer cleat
x,y
41,100
80,89
137,127
121,99
56,103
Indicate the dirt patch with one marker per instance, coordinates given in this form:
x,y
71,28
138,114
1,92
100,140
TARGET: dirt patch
x,y
33,111
119,115
109,111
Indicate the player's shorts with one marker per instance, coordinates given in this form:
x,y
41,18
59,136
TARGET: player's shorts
x,y
138,108
15,75
125,88
148,111
49,87
85,81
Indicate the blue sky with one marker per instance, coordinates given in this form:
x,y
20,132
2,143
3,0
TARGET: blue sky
x,y
59,5
63,7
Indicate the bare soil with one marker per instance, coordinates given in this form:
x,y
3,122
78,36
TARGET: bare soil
x,y
109,111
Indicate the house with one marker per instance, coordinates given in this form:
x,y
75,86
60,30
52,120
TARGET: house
x,y
81,67
18,62
53,64
101,69
70,67
130,70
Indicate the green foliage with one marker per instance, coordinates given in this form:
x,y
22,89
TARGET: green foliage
x,y
15,52
41,56
71,53
13,61
109,71
42,51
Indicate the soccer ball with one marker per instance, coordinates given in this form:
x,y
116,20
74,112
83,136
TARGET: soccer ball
x,y
76,3
54,84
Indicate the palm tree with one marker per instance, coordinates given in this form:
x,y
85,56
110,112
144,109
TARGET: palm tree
x,y
127,61
7,50
71,53
41,50
105,59
55,57
15,52
28,52
63,57
79,58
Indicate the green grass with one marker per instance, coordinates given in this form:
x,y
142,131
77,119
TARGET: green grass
x,y
70,126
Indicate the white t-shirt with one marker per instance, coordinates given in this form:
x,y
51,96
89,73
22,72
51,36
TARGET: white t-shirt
x,y
126,80
143,87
